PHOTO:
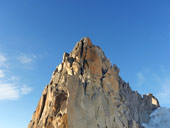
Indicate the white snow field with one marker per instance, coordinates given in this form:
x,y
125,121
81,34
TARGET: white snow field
x,y
159,118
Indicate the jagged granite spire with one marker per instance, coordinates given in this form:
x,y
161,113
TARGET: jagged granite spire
x,y
86,91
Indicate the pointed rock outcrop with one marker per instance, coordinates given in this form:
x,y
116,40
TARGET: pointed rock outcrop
x,y
86,91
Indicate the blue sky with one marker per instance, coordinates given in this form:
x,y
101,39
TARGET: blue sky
x,y
35,34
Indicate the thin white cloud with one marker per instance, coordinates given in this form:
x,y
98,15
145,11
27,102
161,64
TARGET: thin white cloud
x,y
11,87
2,60
13,79
26,59
158,82
140,78
164,92
2,74
9,92
25,89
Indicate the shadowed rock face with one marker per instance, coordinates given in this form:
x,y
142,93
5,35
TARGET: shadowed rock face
x,y
86,91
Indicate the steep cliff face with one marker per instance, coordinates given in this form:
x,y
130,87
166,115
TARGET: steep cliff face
x,y
86,91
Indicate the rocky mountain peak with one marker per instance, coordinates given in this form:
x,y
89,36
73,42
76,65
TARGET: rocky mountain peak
x,y
86,91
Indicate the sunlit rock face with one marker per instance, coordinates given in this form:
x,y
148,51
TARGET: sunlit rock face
x,y
86,91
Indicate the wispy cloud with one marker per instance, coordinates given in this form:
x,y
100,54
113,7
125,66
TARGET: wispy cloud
x,y
164,91
2,74
25,89
157,82
9,92
11,88
3,59
140,78
26,59
14,79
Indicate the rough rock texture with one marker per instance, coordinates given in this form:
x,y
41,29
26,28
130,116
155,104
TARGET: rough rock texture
x,y
86,91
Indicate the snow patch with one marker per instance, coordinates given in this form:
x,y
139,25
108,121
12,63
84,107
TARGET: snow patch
x,y
159,118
